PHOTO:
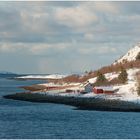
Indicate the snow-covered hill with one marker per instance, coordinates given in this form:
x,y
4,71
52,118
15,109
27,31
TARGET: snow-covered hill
x,y
130,55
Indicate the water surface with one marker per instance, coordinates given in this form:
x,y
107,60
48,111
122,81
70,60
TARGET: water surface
x,y
20,119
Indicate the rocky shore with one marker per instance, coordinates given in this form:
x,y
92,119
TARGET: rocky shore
x,y
79,102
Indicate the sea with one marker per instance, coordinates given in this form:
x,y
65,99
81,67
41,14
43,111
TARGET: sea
x,y
27,120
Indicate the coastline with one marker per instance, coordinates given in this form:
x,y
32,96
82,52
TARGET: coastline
x,y
84,103
36,87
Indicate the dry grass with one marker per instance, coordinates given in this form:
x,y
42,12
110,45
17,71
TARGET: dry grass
x,y
103,70
115,81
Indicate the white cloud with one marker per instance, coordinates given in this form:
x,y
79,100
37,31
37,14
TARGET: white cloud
x,y
38,49
78,16
33,48
9,47
106,7
34,21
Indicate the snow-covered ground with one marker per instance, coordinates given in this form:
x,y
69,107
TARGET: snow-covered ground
x,y
53,76
126,92
130,55
109,76
63,84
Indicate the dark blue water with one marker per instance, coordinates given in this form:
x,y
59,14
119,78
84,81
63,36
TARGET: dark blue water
x,y
20,119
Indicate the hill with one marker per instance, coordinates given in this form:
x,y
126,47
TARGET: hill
x,y
130,60
131,55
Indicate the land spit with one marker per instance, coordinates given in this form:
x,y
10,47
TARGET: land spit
x,y
87,103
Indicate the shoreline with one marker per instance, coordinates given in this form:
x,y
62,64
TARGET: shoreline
x,y
83,103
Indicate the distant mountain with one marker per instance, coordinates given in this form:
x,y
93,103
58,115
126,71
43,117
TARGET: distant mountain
x,y
131,55
5,74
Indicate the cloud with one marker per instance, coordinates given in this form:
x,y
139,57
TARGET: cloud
x,y
89,37
33,48
9,48
106,7
46,49
67,36
76,17
34,22
42,49
97,50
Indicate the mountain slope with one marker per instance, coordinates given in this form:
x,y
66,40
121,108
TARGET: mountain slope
x,y
131,55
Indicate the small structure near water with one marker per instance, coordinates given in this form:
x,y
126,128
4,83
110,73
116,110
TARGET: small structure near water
x,y
88,87
103,90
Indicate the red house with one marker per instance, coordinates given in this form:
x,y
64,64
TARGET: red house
x,y
103,90
108,91
98,90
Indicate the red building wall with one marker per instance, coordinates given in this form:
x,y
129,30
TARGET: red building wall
x,y
98,91
101,91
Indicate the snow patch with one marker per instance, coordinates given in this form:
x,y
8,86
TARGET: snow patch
x,y
128,91
109,76
53,76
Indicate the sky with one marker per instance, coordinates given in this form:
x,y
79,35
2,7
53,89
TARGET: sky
x,y
65,37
